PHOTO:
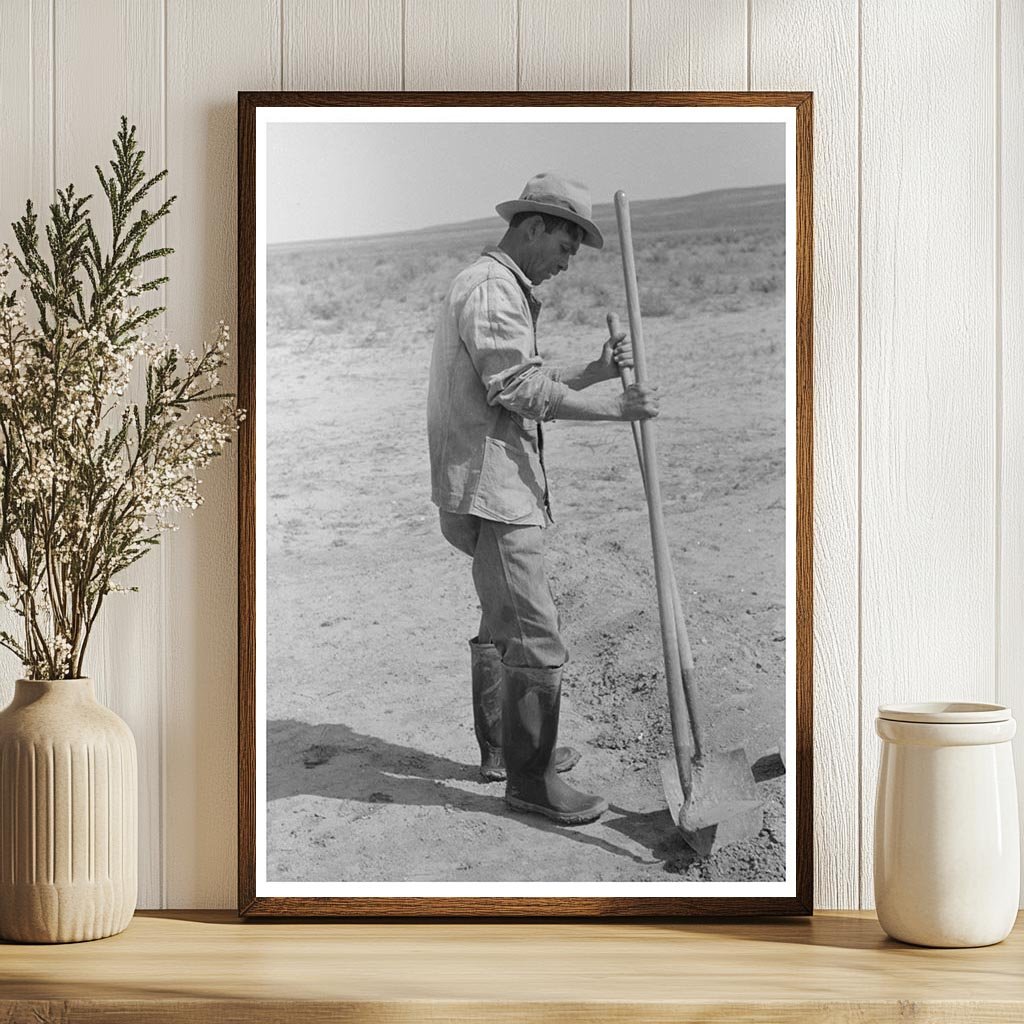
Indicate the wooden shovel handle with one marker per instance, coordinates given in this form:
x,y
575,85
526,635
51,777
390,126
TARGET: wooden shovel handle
x,y
696,715
678,712
627,377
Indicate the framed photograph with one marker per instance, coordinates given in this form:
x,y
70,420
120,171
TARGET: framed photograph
x,y
525,492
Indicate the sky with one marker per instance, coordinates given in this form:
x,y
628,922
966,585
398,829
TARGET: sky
x,y
333,180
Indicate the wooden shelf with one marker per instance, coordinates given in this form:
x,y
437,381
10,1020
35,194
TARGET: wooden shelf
x,y
208,966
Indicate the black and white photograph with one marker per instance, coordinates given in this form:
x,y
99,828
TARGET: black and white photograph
x,y
525,502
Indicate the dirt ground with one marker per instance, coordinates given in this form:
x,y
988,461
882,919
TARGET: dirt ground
x,y
371,754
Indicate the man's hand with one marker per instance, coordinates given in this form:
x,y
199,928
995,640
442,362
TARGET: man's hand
x,y
639,402
617,351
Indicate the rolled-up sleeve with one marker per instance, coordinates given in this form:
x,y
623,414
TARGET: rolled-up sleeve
x,y
527,390
496,328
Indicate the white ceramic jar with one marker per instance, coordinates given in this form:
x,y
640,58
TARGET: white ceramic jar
x,y
947,846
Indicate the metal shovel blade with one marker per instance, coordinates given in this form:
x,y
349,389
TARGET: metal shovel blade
x,y
723,807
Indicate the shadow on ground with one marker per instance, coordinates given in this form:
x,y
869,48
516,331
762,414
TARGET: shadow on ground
x,y
336,762
654,831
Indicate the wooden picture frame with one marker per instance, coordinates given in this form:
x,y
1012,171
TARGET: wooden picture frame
x,y
257,897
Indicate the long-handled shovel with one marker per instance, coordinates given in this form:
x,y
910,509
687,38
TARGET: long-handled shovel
x,y
711,796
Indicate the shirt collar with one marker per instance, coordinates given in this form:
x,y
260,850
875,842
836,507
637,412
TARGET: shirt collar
x,y
505,260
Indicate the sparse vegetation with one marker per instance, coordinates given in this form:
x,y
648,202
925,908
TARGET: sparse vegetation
x,y
656,302
387,288
766,283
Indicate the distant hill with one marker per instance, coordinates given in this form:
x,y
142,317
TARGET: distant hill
x,y
704,211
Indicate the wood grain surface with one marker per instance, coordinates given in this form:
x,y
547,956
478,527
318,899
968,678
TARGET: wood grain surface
x,y
208,966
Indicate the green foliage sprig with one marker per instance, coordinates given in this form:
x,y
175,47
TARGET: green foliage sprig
x,y
88,477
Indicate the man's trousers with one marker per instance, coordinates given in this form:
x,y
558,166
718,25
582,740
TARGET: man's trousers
x,y
518,613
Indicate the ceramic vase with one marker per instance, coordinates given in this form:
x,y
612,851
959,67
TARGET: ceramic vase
x,y
68,815
947,846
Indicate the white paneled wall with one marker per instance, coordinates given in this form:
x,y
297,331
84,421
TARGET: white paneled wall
x,y
831,73
928,513
1009,312
919,326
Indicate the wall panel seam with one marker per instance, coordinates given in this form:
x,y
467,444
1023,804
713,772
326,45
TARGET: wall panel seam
x,y
689,48
31,92
53,98
162,697
749,45
997,233
519,39
860,459
629,43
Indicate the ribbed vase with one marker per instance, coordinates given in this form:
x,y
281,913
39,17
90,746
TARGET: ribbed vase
x,y
68,815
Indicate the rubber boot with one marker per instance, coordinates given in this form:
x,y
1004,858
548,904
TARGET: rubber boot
x,y
486,671
486,668
530,727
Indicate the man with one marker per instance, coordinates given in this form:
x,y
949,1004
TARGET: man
x,y
489,392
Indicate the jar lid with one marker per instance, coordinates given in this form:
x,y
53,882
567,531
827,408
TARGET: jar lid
x,y
945,713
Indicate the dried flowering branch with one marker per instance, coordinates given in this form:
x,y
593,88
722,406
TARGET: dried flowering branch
x,y
89,479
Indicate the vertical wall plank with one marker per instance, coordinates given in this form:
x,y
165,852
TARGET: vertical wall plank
x,y
228,46
574,44
929,306
26,108
691,45
122,657
342,44
460,44
1011,315
928,363
26,129
814,46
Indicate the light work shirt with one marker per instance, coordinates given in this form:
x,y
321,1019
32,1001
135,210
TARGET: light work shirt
x,y
488,393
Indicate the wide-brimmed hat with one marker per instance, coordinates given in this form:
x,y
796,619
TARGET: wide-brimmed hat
x,y
551,192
